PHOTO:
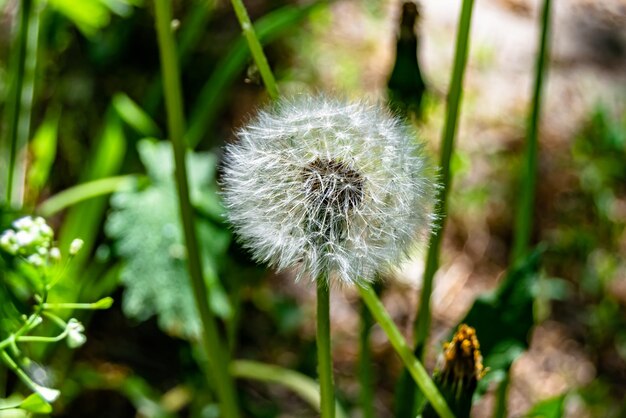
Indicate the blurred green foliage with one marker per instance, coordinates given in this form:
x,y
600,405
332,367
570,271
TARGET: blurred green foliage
x,y
85,128
145,222
504,318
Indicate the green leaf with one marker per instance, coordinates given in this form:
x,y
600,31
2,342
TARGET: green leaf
x,y
145,225
131,113
36,404
88,15
92,15
43,148
503,319
549,408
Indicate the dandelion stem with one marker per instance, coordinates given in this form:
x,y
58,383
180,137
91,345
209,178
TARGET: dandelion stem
x,y
401,347
217,356
423,319
422,323
255,48
324,357
524,216
366,372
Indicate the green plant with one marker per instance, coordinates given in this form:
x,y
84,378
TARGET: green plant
x,y
31,267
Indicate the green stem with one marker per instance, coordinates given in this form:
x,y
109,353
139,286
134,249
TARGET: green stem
x,y
217,356
40,339
422,323
500,407
300,384
48,394
367,394
82,192
88,306
324,358
401,347
524,218
20,103
255,48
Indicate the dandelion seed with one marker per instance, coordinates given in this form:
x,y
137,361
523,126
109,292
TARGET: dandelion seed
x,y
335,189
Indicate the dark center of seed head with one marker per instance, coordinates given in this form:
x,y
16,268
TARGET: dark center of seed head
x,y
333,187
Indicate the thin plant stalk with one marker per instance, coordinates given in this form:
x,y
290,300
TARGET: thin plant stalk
x,y
415,368
256,49
366,370
217,356
324,357
524,216
422,323
20,103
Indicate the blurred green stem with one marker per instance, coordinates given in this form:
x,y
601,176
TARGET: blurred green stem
x,y
401,347
12,365
524,218
406,406
524,215
20,102
500,407
255,48
300,384
217,356
82,192
324,357
422,322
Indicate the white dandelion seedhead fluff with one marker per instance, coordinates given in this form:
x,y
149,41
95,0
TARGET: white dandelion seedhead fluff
x,y
338,190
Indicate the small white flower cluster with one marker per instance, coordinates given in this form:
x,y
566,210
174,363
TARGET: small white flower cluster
x,y
31,238
337,189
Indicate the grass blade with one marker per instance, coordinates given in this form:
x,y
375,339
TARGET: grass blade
x,y
217,355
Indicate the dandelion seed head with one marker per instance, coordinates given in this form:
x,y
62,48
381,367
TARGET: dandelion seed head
x,y
335,189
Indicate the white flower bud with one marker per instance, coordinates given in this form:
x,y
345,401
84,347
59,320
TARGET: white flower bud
x,y
24,238
55,254
8,242
75,336
337,189
24,223
48,394
46,231
35,260
76,246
